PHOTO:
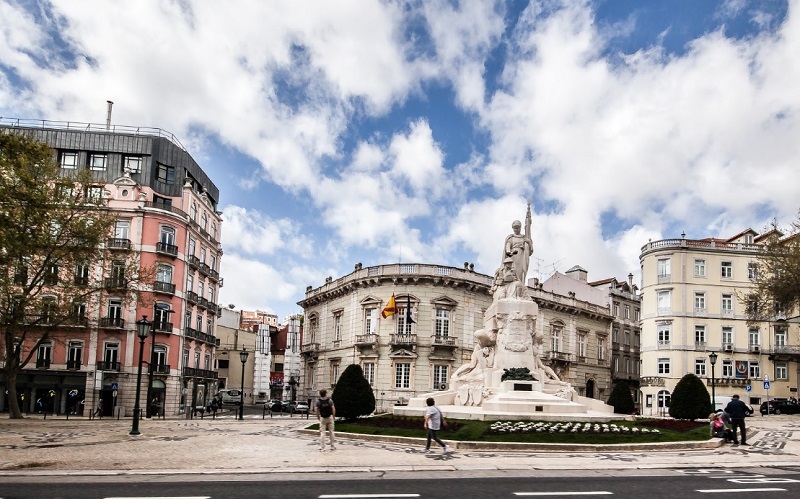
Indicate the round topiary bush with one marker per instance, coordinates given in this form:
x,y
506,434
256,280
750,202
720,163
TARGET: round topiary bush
x,y
690,399
353,396
621,399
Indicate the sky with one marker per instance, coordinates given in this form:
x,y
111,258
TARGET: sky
x,y
377,132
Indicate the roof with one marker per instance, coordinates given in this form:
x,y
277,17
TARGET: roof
x,y
737,236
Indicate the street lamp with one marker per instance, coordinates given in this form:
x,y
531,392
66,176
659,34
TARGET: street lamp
x,y
243,357
151,365
712,357
142,330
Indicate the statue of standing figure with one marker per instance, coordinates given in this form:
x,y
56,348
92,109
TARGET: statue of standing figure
x,y
519,247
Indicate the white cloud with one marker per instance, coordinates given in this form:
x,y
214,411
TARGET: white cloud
x,y
253,233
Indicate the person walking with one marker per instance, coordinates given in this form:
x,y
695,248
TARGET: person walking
x,y
433,423
98,411
325,412
737,410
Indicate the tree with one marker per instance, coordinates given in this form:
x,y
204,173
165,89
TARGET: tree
x,y
776,278
52,262
621,399
353,396
690,399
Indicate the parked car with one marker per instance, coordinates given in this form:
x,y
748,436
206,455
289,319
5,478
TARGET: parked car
x,y
277,406
299,407
230,396
779,407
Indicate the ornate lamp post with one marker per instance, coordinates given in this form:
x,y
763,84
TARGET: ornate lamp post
x,y
243,357
142,330
162,321
712,357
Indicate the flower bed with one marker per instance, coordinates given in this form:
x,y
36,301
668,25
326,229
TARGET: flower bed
x,y
505,427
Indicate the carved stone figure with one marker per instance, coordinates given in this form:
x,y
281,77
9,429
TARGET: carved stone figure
x,y
519,247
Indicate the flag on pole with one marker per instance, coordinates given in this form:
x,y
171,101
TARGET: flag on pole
x,y
409,320
390,308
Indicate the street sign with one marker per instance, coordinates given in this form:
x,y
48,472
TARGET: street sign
x,y
114,386
748,388
766,385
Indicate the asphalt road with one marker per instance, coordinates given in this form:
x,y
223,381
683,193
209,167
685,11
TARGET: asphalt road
x,y
663,483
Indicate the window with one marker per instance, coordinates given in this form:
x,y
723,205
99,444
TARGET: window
x,y
192,245
403,326
204,221
700,367
111,354
190,282
160,358
121,228
69,160
664,366
337,326
635,316
754,336
727,304
699,268
601,347
115,309
197,359
664,269
161,315
167,235
82,274
615,335
118,272
211,293
166,174
615,364
164,274
699,302
132,164
43,355
402,375
186,358
727,335
210,328
187,318
752,270
700,336
202,255
51,275
727,368
222,363
212,262
370,320
199,321
663,334
74,354
555,339
615,310
627,339
193,212
369,372
582,345
94,194
781,370
97,162
49,307
780,336
627,312
207,362
214,231
754,369
664,300
442,323
201,288
78,310
727,270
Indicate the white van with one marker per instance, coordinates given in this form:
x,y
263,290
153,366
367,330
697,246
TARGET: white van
x,y
720,401
230,396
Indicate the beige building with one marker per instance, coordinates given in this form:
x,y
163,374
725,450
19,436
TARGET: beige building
x,y
401,360
232,340
692,306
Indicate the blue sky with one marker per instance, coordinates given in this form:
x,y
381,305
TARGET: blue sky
x,y
372,132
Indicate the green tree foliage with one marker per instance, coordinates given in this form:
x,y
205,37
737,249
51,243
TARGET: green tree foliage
x,y
353,396
53,224
776,290
690,399
621,399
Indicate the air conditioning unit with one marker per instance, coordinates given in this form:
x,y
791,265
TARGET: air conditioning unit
x,y
755,349
443,386
728,347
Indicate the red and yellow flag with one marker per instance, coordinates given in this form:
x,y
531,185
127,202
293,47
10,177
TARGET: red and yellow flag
x,y
390,308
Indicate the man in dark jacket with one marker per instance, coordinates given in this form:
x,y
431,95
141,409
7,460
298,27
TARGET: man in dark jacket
x,y
737,410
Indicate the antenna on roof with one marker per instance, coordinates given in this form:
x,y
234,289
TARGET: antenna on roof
x,y
108,115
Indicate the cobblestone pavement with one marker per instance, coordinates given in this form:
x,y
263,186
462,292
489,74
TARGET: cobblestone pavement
x,y
78,446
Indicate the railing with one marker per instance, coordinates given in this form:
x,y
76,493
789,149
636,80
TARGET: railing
x,y
309,347
443,341
76,320
693,243
731,381
108,366
199,373
73,365
366,339
559,356
162,327
193,261
42,363
191,296
115,283
164,287
160,368
118,244
664,278
199,335
80,280
204,268
111,322
404,339
166,207
167,249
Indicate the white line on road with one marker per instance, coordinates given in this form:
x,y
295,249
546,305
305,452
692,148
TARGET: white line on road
x,y
158,497
347,496
722,491
571,493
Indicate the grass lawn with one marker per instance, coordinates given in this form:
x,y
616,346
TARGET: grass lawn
x,y
481,431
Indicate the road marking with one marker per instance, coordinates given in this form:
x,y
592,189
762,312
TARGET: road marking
x,y
716,491
575,493
346,496
159,497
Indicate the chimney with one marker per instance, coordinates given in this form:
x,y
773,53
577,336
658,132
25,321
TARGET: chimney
x,y
578,273
630,280
108,115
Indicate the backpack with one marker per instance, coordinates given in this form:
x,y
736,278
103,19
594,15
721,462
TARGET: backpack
x,y
325,408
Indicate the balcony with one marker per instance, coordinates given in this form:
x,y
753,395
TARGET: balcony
x,y
404,339
164,287
115,283
560,356
366,339
166,249
191,297
309,348
42,363
664,278
108,366
739,382
193,261
162,327
80,280
160,368
116,243
73,365
166,207
76,321
203,268
194,372
111,323
443,341
700,312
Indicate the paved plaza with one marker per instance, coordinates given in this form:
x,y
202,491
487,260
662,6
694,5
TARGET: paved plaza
x,y
56,446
